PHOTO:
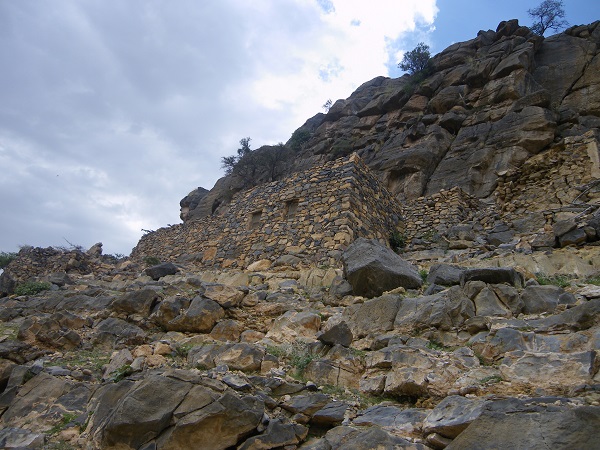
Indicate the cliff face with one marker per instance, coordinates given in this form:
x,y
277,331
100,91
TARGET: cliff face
x,y
487,106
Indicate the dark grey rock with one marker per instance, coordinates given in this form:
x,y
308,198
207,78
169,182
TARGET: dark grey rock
x,y
371,269
562,227
540,299
392,417
337,334
516,424
116,333
445,274
19,438
59,278
161,270
493,275
453,415
307,404
370,438
574,237
331,414
140,302
277,435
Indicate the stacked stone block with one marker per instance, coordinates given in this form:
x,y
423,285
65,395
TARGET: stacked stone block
x,y
315,214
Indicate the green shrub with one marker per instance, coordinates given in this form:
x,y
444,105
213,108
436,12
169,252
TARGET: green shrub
x,y
397,241
299,138
67,419
32,287
562,281
6,258
492,379
151,261
298,355
121,373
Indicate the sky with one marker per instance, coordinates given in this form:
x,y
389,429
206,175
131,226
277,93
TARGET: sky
x,y
111,111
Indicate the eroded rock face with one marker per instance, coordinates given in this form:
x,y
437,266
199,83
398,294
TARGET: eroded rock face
x,y
372,268
281,355
489,104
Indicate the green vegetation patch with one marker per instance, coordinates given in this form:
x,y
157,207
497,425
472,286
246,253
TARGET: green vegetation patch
x,y
6,258
32,287
562,281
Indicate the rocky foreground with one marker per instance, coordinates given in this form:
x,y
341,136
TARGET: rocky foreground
x,y
285,356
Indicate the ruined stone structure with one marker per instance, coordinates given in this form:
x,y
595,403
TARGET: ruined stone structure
x,y
315,214
562,179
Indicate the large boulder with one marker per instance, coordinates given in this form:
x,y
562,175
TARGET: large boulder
x,y
161,270
372,317
531,424
372,268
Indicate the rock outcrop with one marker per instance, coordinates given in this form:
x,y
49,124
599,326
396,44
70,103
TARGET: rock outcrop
x,y
482,332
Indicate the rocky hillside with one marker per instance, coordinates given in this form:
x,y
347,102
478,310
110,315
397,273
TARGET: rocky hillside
x,y
485,335
386,354
487,105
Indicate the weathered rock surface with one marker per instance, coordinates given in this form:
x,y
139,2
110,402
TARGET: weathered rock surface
x,y
289,353
371,269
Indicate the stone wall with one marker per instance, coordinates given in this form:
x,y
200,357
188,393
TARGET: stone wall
x,y
314,214
439,212
561,179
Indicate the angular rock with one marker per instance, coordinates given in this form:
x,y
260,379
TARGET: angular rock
x,y
493,275
371,269
373,316
241,356
292,325
392,418
515,424
161,270
445,274
200,317
446,310
139,302
225,296
453,415
19,438
551,370
331,414
144,412
222,424
540,299
116,333
349,438
277,435
575,237
307,404
227,330
337,334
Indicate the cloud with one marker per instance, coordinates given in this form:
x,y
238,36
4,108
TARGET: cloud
x,y
112,111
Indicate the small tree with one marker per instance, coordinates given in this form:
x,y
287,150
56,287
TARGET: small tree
x,y
549,15
416,60
230,162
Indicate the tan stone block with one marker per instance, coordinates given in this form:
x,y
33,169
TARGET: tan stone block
x,y
261,264
162,348
142,350
155,360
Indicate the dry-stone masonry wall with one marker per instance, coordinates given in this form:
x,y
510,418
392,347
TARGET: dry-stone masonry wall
x,y
316,214
437,213
561,179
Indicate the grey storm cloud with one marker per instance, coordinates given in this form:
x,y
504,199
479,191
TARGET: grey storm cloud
x,y
111,111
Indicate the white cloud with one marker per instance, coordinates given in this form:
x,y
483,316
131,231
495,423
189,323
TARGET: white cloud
x,y
112,111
